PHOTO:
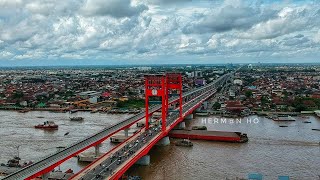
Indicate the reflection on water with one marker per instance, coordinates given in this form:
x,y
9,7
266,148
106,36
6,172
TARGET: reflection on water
x,y
271,150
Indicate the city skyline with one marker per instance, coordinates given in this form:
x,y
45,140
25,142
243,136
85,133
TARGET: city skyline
x,y
95,32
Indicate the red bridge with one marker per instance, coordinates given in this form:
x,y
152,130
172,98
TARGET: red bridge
x,y
175,106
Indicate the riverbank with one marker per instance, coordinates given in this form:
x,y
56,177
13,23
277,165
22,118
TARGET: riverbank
x,y
65,110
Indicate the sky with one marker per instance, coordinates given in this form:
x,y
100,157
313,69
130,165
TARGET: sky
x,y
119,32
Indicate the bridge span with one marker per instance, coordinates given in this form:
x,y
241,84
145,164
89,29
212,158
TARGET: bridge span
x,y
190,101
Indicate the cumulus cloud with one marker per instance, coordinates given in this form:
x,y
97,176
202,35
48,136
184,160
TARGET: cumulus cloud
x,y
134,29
168,2
287,21
228,18
113,8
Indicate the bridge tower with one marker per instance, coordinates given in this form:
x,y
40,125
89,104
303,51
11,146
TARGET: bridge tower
x,y
155,86
174,88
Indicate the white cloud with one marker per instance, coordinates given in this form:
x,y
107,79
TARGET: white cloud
x,y
134,29
113,8
10,3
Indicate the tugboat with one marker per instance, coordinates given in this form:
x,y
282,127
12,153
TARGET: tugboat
x,y
76,118
184,142
47,125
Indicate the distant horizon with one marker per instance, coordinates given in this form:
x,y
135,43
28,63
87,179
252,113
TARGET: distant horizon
x,y
164,64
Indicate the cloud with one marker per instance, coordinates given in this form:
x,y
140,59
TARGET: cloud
x,y
138,31
227,18
168,2
10,3
113,8
287,21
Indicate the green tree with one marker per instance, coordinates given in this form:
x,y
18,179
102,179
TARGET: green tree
x,y
216,106
17,95
248,94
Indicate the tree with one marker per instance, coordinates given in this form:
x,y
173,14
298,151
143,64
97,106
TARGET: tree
x,y
264,100
17,95
216,106
248,94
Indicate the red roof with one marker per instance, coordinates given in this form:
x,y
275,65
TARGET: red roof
x,y
234,105
106,94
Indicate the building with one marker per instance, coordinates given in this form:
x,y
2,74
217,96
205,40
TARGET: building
x,y
238,82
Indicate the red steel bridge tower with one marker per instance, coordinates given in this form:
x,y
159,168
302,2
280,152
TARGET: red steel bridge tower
x,y
162,86
156,87
174,88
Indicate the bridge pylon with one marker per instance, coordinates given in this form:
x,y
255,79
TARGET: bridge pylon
x,y
155,86
174,87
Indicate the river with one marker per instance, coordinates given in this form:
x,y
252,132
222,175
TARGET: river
x,y
271,150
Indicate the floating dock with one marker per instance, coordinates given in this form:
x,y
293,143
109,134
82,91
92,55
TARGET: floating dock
x,y
209,135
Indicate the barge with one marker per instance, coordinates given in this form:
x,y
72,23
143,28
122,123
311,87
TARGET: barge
x,y
76,118
283,118
222,136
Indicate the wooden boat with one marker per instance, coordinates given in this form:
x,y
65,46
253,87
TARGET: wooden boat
x,y
50,125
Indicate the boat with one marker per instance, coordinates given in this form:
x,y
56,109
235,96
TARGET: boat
x,y
316,129
283,126
199,128
306,121
47,125
76,118
304,117
94,111
202,113
286,118
23,111
184,142
73,111
223,136
15,163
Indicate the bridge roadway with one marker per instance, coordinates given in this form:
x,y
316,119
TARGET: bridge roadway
x,y
114,163
48,163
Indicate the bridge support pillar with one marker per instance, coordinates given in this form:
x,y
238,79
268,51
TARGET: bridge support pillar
x,y
189,117
97,150
45,176
144,160
164,141
126,132
181,125
205,104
